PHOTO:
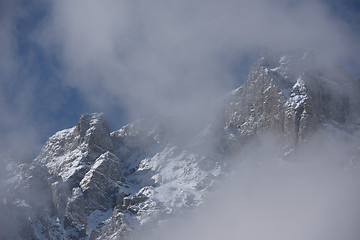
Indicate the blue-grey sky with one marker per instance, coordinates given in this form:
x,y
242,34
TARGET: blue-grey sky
x,y
126,58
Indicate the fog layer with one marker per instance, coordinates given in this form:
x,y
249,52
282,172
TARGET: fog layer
x,y
315,196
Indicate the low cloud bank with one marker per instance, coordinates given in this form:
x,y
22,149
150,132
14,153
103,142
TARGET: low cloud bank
x,y
313,197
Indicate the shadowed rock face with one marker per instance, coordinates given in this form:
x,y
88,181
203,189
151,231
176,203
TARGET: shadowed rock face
x,y
93,130
117,227
291,96
75,214
100,183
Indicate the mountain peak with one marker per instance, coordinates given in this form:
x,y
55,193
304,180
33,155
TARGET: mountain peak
x,y
91,120
291,94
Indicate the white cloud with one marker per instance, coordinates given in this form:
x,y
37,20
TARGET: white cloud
x,y
160,57
171,57
14,100
174,58
312,198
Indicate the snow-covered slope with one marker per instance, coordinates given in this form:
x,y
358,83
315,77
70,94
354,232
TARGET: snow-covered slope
x,y
96,184
92,184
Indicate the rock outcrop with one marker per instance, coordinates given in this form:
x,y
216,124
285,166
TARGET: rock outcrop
x,y
71,152
75,219
92,184
101,182
289,95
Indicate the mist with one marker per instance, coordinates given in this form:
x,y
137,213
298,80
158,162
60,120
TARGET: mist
x,y
175,60
13,106
135,59
313,195
172,58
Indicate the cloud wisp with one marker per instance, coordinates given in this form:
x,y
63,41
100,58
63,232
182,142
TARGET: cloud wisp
x,y
175,59
15,96
166,58
171,57
313,197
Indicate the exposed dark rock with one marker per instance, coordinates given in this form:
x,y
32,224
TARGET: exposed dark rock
x,y
69,152
75,214
278,98
94,131
132,200
60,194
117,227
101,181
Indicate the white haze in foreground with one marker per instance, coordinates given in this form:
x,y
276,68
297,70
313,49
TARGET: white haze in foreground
x,y
317,197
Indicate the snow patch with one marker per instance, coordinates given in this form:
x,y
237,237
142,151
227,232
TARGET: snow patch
x,y
95,218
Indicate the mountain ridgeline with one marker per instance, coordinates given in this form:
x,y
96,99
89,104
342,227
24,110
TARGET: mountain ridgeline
x,y
90,183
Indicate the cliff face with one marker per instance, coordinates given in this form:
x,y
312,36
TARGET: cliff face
x,y
92,184
291,96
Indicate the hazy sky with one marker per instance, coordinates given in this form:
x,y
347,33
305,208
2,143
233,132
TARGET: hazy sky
x,y
129,58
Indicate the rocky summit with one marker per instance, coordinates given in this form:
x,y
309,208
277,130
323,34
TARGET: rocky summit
x,y
292,96
90,183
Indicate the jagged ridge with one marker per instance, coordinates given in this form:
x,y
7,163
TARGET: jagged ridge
x,y
101,185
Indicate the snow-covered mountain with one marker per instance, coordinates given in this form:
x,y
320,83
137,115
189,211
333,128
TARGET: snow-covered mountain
x,y
292,96
90,183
